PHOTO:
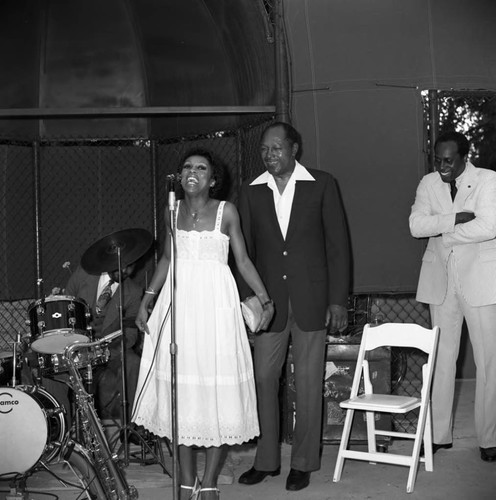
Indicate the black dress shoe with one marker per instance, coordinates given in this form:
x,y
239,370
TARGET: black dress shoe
x,y
488,454
436,447
254,476
297,480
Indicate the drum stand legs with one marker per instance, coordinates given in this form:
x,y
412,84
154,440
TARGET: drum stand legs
x,y
151,451
126,431
17,490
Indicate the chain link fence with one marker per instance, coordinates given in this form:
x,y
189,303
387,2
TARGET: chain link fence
x,y
61,196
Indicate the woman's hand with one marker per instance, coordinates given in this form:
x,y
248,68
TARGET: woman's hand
x,y
141,320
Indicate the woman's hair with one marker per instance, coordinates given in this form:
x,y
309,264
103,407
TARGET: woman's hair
x,y
219,170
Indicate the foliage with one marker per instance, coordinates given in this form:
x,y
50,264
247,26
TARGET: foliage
x,y
474,114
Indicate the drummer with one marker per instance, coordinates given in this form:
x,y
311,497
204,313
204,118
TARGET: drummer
x,y
102,295
103,302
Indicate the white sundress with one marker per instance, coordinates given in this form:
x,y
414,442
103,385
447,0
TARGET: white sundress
x,y
216,400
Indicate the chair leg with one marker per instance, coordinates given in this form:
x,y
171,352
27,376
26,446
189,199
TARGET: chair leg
x,y
370,417
343,445
429,461
423,434
412,473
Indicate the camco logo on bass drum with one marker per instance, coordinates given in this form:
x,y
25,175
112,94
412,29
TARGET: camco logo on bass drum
x,y
6,405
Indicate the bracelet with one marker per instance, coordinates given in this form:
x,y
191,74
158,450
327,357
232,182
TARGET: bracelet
x,y
267,303
150,291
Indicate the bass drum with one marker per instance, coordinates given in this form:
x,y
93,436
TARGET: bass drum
x,y
32,428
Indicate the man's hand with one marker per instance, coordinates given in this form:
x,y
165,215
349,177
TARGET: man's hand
x,y
336,318
462,217
267,314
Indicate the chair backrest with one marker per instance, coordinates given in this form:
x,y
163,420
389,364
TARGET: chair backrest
x,y
397,335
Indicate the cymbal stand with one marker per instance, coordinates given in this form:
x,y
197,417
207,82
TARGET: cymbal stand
x,y
125,430
173,345
16,343
124,402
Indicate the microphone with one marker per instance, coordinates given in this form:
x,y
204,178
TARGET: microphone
x,y
173,177
171,180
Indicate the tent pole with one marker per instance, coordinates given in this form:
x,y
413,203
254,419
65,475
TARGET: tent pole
x,y
433,125
281,58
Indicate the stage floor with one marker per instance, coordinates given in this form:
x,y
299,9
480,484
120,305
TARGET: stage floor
x,y
459,473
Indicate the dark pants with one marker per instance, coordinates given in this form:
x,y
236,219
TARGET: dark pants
x,y
308,349
107,384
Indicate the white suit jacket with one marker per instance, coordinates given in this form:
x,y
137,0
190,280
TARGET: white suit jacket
x,y
473,243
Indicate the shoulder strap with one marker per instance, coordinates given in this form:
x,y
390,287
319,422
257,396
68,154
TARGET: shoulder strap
x,y
220,211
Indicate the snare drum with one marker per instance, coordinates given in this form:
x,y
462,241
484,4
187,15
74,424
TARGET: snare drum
x,y
32,428
52,364
58,321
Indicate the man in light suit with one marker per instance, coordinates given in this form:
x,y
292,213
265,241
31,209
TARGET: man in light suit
x,y
296,235
455,207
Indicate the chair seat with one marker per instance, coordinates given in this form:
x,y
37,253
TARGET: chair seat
x,y
382,402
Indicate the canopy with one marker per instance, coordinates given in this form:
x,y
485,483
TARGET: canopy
x,y
148,56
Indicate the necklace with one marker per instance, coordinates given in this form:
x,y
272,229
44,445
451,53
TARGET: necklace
x,y
196,215
196,218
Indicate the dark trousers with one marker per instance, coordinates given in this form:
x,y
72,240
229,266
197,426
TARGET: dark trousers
x,y
308,349
107,384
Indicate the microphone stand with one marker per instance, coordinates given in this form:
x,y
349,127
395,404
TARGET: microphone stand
x,y
173,345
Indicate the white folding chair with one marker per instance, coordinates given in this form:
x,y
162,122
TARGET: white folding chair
x,y
393,335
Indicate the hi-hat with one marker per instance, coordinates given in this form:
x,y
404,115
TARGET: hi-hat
x,y
103,256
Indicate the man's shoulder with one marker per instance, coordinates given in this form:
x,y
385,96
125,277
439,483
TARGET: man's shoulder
x,y
249,180
485,173
133,286
431,178
247,185
320,175
81,274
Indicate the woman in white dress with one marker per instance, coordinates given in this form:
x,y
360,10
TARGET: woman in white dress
x,y
216,400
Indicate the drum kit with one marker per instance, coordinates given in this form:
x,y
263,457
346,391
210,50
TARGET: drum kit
x,y
33,424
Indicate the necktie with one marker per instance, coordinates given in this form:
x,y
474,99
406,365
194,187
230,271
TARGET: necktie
x,y
104,297
453,190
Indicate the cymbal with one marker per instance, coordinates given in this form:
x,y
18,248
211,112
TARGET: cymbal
x,y
103,255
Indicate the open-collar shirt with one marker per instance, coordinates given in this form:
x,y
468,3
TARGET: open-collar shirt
x,y
283,202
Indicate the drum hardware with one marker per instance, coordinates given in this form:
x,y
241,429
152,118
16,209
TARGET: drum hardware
x,y
150,452
53,364
128,245
103,464
33,433
10,364
57,321
115,252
